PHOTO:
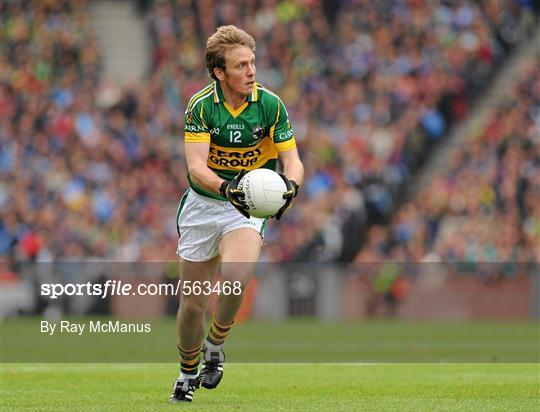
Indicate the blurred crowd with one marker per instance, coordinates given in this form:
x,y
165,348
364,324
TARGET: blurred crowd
x,y
92,169
85,172
487,207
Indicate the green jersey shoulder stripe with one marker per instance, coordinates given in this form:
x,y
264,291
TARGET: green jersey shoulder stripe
x,y
261,87
193,101
204,90
204,96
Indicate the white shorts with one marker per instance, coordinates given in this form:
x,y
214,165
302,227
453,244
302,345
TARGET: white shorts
x,y
202,221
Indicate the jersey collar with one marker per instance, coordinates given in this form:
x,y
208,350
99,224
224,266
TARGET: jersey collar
x,y
218,94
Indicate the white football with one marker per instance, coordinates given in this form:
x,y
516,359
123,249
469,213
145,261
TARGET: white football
x,y
264,190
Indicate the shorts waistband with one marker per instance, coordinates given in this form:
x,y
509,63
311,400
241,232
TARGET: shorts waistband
x,y
206,198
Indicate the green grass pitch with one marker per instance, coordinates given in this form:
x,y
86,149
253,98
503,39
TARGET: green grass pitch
x,y
296,365
272,387
292,341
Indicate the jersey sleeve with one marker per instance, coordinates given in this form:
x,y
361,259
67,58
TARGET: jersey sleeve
x,y
195,128
281,131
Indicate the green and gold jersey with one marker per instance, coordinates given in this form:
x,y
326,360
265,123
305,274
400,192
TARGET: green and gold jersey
x,y
249,137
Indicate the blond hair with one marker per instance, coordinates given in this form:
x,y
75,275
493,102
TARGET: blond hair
x,y
223,40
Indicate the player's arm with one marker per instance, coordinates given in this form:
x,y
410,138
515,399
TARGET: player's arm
x,y
200,173
293,168
197,147
293,176
203,176
283,136
292,165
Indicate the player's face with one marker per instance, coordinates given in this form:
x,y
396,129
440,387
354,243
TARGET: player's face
x,y
239,74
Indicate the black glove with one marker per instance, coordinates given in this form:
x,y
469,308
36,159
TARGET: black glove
x,y
234,195
292,191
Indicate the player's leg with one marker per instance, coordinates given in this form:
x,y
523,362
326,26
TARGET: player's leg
x,y
239,250
190,322
191,313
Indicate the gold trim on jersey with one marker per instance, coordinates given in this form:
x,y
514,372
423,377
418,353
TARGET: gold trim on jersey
x,y
216,96
201,115
255,93
238,158
284,146
219,98
272,129
196,96
235,112
201,137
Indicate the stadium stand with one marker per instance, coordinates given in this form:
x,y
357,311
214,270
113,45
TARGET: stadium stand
x,y
89,169
486,208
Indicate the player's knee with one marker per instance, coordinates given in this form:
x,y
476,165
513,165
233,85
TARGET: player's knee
x,y
237,282
192,308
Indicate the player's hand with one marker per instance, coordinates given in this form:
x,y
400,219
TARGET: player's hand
x,y
292,191
234,195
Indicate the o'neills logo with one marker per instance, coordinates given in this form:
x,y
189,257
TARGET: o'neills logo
x,y
234,159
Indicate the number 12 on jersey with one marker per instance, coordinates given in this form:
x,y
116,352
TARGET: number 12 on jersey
x,y
234,136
